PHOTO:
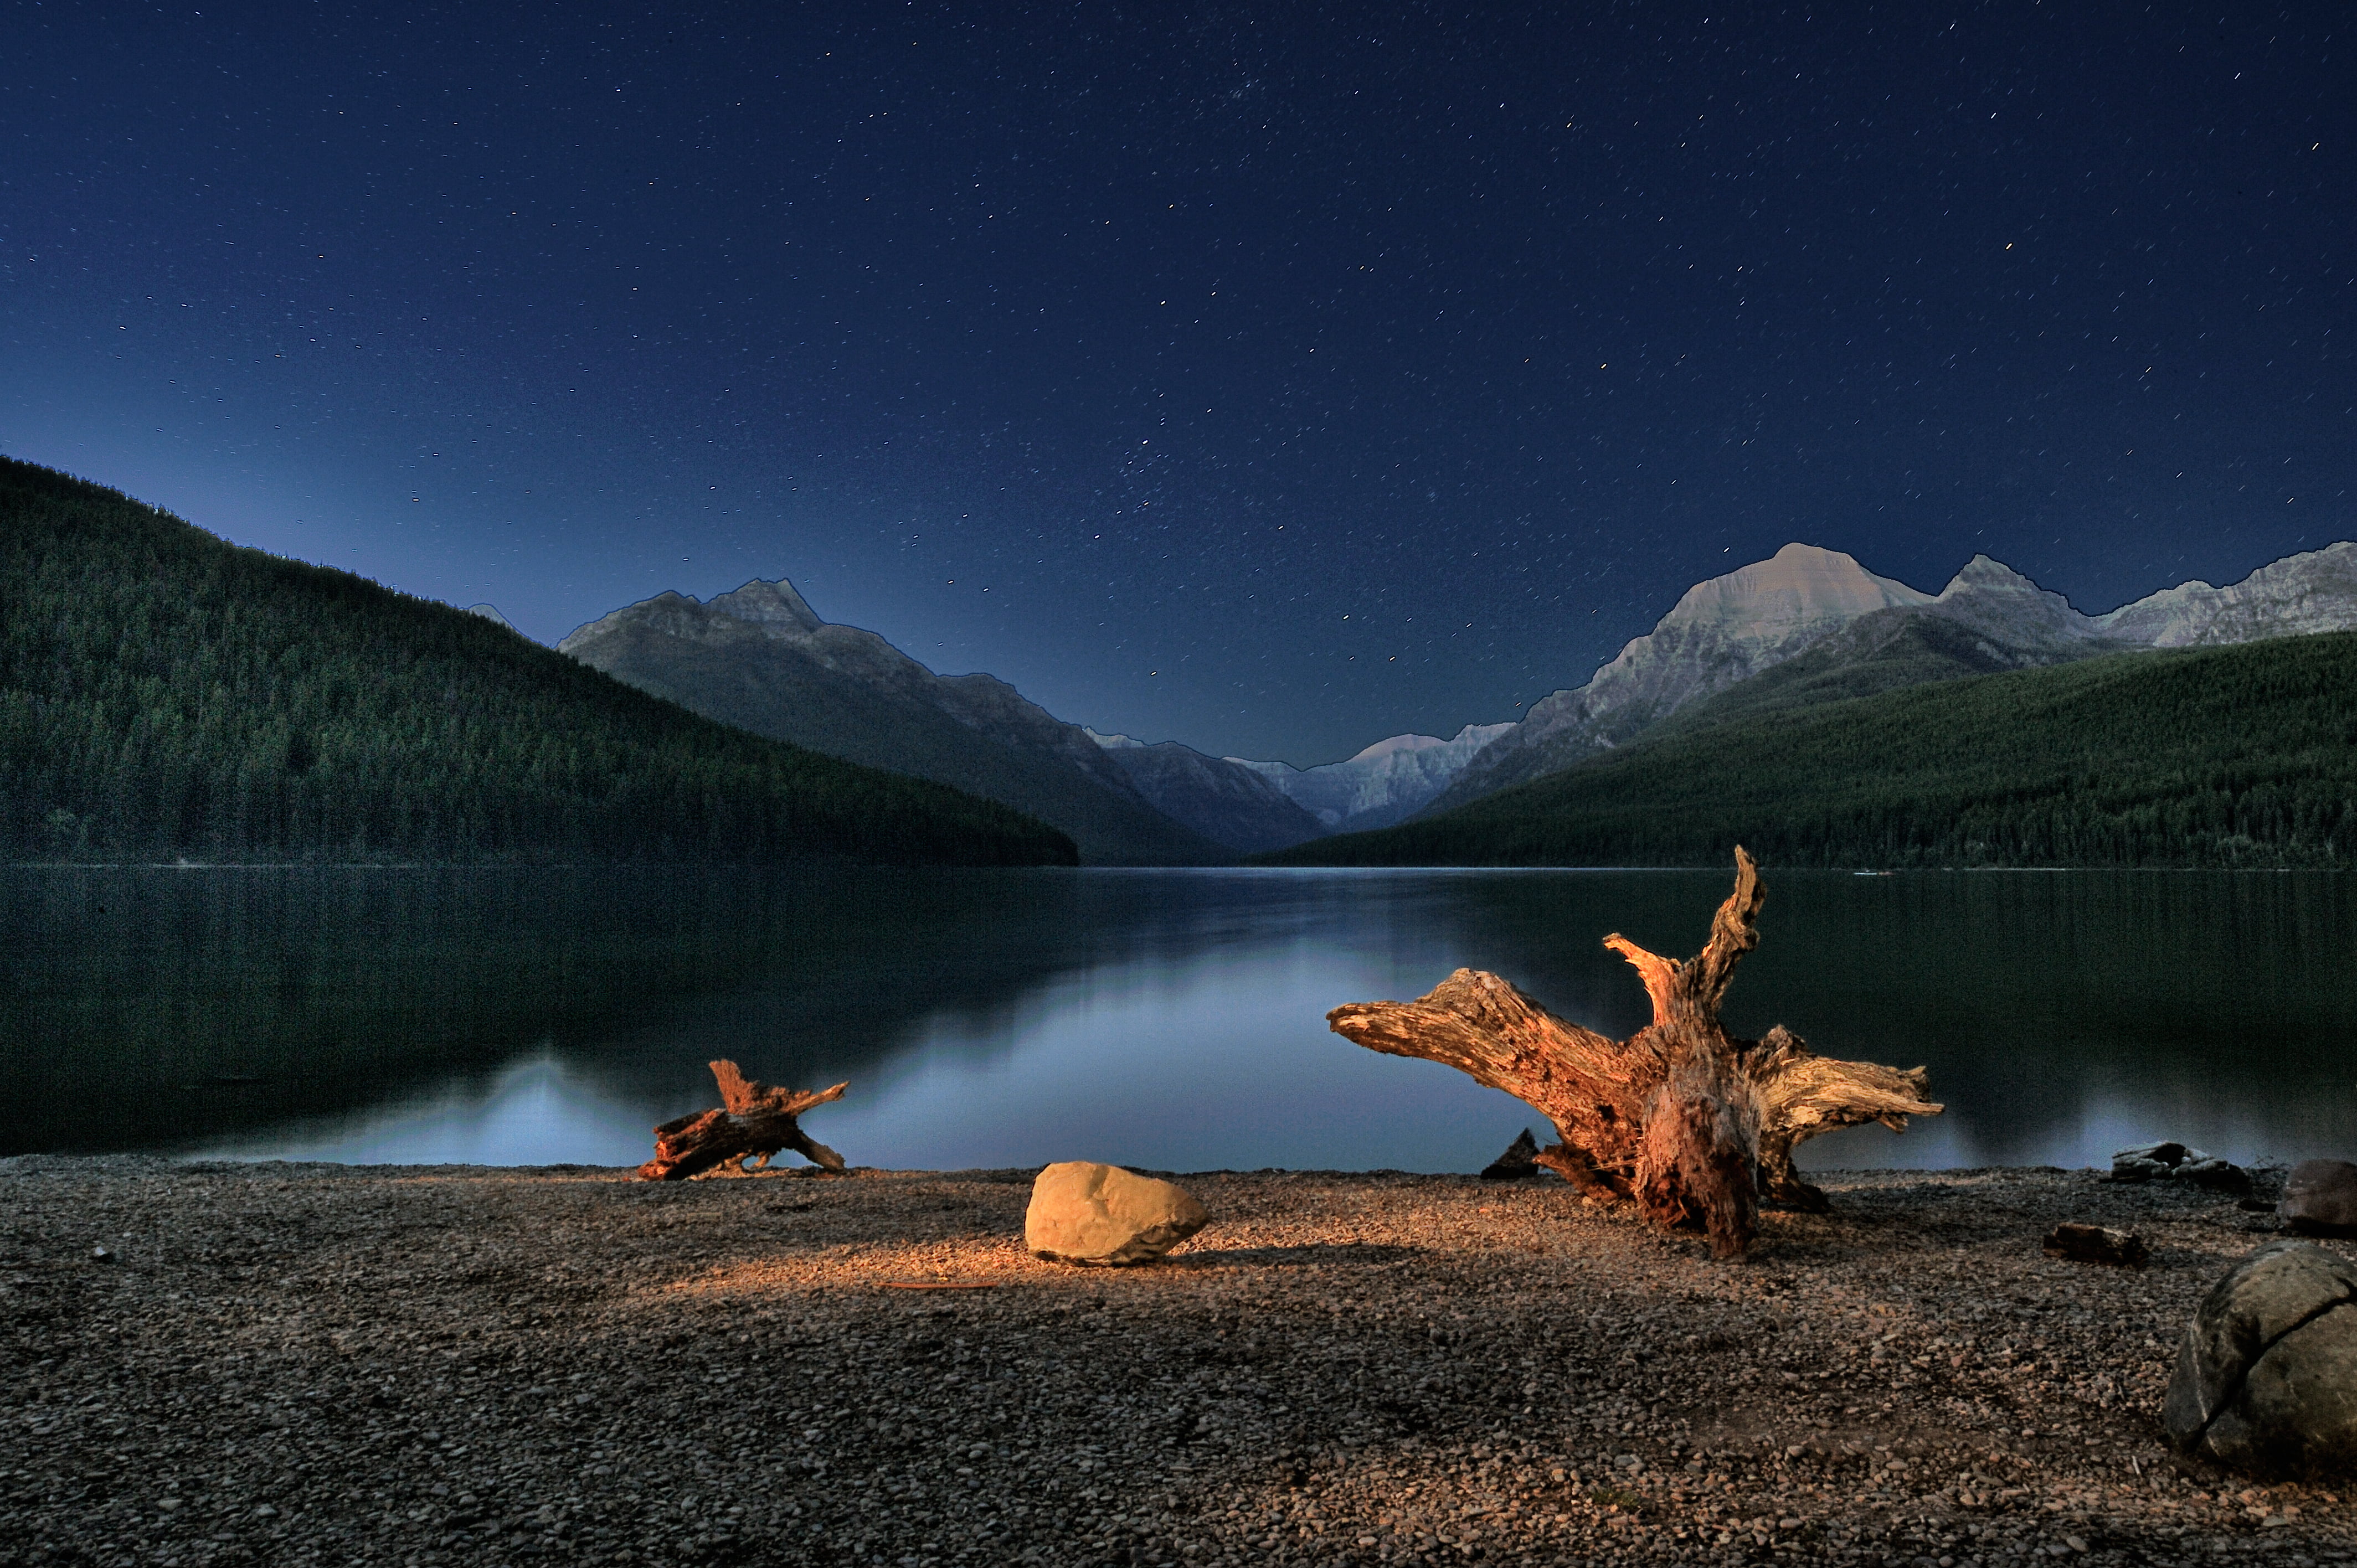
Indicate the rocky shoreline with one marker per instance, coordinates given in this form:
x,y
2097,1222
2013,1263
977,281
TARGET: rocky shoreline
x,y
417,1366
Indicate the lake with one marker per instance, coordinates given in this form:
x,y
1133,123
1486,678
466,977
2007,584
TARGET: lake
x,y
1170,1020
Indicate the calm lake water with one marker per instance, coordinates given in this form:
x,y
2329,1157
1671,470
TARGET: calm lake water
x,y
1165,1019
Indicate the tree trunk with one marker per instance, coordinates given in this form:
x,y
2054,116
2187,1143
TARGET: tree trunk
x,y
1694,1125
757,1123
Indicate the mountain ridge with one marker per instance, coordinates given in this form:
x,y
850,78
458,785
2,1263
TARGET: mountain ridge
x,y
1712,647
2237,754
759,658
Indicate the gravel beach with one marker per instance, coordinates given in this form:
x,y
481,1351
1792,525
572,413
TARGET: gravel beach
x,y
277,1363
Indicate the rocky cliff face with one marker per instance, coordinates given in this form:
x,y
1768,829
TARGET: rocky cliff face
x,y
2299,594
760,658
1386,783
1993,599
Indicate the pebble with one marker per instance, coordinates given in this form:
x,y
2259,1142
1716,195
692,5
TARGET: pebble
x,y
1344,1368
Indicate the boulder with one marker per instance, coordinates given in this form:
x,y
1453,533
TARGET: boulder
x,y
2171,1161
1520,1159
2222,1176
2266,1380
2321,1197
1083,1212
2149,1162
2096,1244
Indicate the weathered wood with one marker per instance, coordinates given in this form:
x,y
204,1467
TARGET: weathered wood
x,y
755,1122
1695,1126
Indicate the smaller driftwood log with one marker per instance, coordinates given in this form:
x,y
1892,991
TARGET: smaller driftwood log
x,y
754,1121
1695,1126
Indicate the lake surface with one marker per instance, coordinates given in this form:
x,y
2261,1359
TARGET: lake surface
x,y
1170,1020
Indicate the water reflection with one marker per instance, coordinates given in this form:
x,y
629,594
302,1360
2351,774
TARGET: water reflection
x,y
1165,1019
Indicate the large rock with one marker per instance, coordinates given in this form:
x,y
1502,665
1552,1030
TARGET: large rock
x,y
2175,1161
2320,1196
2268,1377
1083,1212
2098,1244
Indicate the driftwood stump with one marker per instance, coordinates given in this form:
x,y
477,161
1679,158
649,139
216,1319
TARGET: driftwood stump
x,y
1695,1126
757,1122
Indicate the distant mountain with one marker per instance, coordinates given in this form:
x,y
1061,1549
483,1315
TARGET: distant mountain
x,y
2299,594
2226,755
1386,783
1813,626
164,693
1721,631
762,659
1221,798
1988,618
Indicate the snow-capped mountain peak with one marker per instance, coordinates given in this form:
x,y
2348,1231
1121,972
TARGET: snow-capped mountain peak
x,y
1381,784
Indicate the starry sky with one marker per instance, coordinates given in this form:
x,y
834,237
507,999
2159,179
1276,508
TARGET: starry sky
x,y
1272,379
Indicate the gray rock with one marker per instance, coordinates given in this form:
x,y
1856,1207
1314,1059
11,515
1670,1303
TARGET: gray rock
x,y
2171,1161
2221,1175
1083,1212
2267,1377
2321,1197
2147,1161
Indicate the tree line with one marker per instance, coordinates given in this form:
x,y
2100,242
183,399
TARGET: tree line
x,y
2229,757
165,694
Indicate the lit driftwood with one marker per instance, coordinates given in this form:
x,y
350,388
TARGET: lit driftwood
x,y
757,1121
1694,1125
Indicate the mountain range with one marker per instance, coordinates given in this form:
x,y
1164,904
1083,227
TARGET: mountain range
x,y
1812,624
1778,655
1806,626
2240,756
760,658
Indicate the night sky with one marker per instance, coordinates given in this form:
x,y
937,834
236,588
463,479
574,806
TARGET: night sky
x,y
1264,377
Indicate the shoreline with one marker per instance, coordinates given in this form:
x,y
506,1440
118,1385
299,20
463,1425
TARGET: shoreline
x,y
442,1364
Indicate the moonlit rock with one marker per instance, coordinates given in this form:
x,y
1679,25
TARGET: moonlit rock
x,y
2321,1197
2267,1375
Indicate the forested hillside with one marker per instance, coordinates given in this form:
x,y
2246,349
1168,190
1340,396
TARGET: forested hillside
x,y
2243,755
165,694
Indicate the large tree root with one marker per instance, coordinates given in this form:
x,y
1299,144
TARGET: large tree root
x,y
1694,1125
757,1123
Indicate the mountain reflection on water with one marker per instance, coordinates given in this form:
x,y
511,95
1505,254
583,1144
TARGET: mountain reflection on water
x,y
1171,1020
